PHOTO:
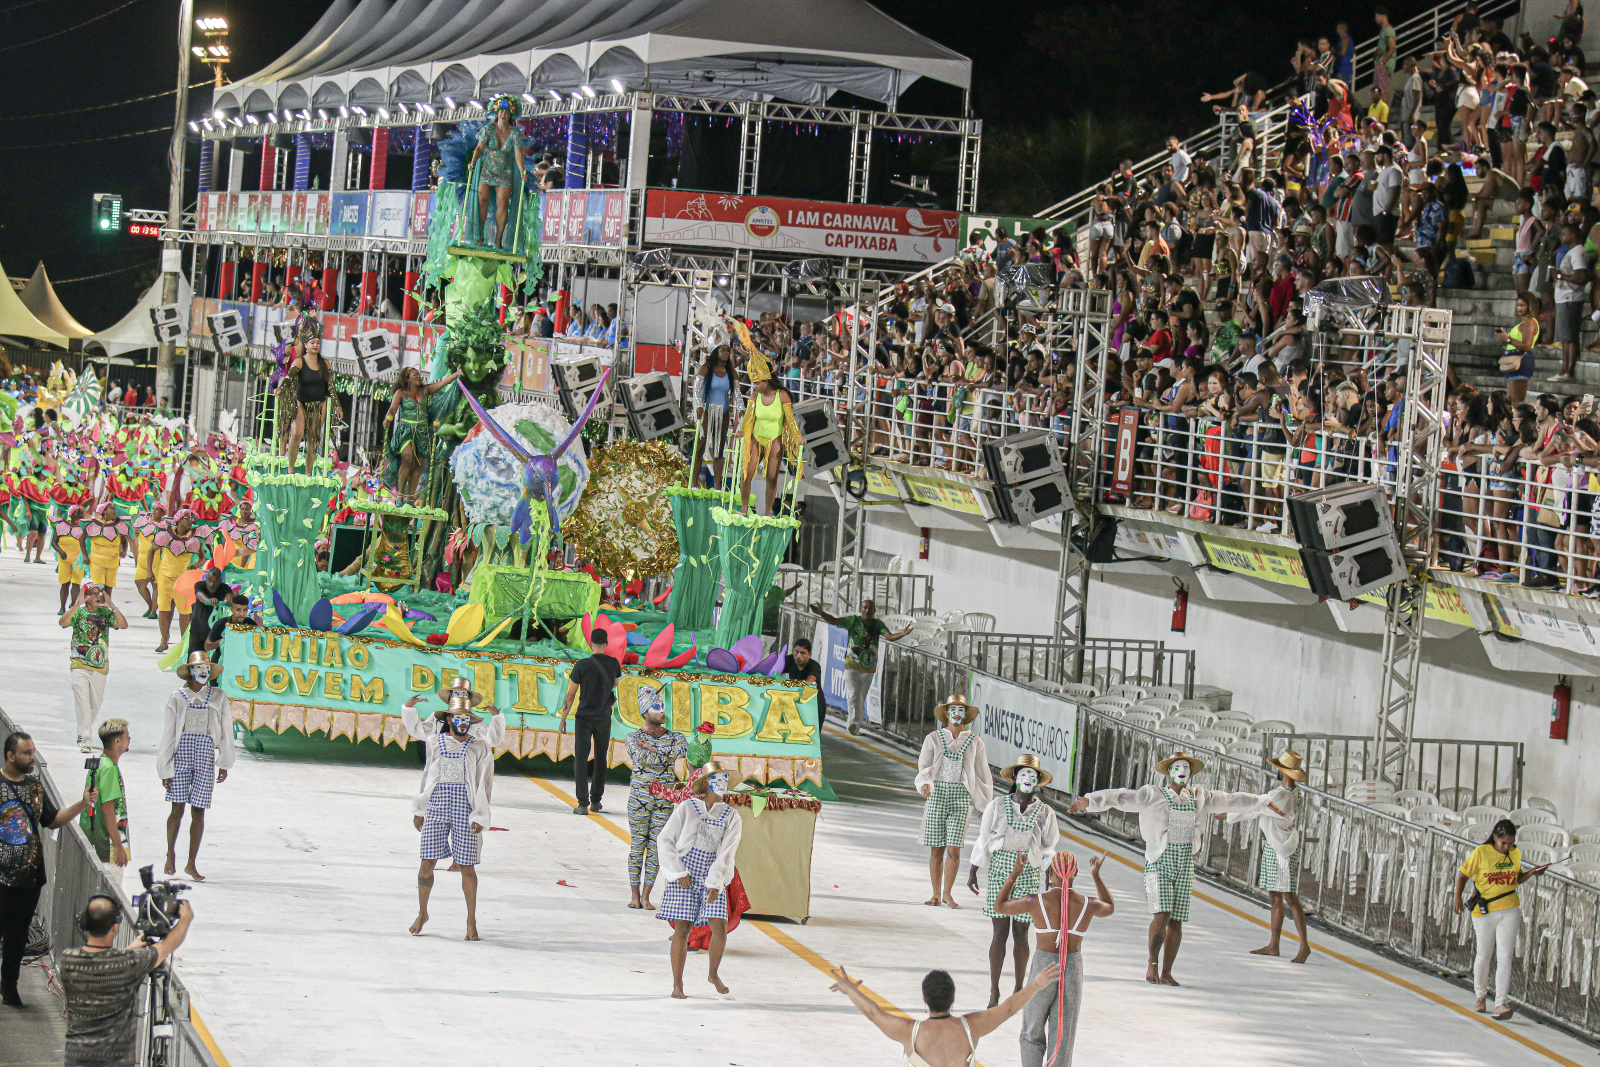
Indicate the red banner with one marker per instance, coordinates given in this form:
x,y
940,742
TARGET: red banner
x,y
907,234
1127,444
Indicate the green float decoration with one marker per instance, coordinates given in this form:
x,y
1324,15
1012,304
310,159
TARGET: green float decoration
x,y
694,583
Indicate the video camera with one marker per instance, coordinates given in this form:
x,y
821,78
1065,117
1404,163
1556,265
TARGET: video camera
x,y
155,911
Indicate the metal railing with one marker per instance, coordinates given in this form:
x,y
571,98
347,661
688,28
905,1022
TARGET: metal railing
x,y
891,594
1371,875
1417,35
1042,661
76,874
1458,773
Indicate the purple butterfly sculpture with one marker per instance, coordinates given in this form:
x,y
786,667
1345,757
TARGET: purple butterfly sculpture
x,y
539,481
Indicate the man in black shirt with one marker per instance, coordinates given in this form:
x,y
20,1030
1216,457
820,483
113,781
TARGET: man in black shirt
x,y
798,666
239,614
101,984
592,687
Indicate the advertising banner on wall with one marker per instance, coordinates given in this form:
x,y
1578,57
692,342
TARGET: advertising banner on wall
x,y
349,213
1017,719
723,220
828,646
390,213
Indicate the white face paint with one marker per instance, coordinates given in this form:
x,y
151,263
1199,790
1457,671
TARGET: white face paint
x,y
719,784
1179,772
956,714
200,672
1027,780
460,723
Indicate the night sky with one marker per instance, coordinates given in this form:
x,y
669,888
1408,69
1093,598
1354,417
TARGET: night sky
x,y
1034,62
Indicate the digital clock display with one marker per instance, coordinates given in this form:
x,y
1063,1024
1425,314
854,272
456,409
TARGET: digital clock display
x,y
144,229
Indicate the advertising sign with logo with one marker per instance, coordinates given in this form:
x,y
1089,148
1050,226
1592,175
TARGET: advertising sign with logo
x,y
723,220
989,226
390,214
421,208
349,213
616,208
1017,719
577,217
828,646
205,206
319,212
939,493
552,217
1127,439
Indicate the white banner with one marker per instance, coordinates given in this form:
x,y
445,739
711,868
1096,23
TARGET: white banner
x,y
1018,720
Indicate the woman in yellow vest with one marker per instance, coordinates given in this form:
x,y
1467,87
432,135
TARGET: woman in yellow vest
x,y
175,549
144,528
242,528
68,544
107,535
768,424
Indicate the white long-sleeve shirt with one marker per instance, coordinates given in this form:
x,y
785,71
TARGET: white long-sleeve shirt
x,y
975,773
687,828
1281,831
216,725
480,760
1151,804
1039,843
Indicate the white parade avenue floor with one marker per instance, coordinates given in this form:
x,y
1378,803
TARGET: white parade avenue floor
x,y
300,955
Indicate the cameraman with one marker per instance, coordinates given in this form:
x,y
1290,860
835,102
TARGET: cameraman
x,y
101,984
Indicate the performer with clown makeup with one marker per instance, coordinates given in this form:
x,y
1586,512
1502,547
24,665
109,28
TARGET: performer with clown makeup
x,y
698,846
1015,825
1171,818
953,777
452,810
194,754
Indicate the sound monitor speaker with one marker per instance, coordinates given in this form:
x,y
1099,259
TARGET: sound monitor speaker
x,y
651,406
825,452
375,352
282,333
1355,570
814,418
1347,514
1032,500
577,373
1020,457
227,330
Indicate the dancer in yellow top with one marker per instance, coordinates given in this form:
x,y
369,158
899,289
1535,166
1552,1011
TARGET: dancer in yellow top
x,y
176,548
69,550
768,422
145,527
107,535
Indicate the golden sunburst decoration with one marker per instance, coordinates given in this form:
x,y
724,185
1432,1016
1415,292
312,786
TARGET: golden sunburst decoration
x,y
623,525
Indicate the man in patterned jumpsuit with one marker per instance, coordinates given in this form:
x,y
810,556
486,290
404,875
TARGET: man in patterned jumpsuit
x,y
653,753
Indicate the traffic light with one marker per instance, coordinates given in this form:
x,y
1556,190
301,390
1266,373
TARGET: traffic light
x,y
108,212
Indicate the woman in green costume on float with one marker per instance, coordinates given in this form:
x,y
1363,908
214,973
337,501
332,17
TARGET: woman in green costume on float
x,y
501,147
410,428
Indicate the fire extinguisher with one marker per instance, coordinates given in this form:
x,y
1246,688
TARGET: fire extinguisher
x,y
1180,607
922,549
1560,708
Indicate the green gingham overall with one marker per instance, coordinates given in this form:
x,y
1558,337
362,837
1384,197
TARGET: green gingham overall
x,y
945,812
1277,876
1169,881
1019,835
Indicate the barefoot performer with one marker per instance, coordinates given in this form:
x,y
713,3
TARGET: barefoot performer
x,y
953,777
697,847
452,810
1015,825
1280,855
1050,1021
1170,817
194,755
653,753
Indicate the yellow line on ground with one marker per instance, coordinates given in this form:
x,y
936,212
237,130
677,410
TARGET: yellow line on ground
x,y
1459,1009
206,1038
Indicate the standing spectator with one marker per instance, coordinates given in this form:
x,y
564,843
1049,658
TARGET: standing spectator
x,y
1262,215
1572,289
1410,100
595,677
1344,54
1579,155
106,825
26,813
861,660
91,622
1178,160
1495,871
1384,59
100,984
1386,200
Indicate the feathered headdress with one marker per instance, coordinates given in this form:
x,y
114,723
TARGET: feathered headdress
x,y
758,367
506,100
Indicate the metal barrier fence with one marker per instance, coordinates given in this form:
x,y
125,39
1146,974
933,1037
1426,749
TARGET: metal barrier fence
x,y
76,874
1459,774
891,594
1370,874
1042,661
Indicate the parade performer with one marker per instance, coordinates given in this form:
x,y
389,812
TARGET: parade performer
x,y
768,430
698,846
303,396
243,530
1015,825
452,810
501,147
91,622
145,528
1170,820
107,534
410,428
175,548
194,754
127,485
953,778
68,545
1051,1018
31,491
653,753
1280,854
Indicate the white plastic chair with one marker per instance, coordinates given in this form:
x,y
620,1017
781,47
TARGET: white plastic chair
x,y
1234,729
1455,797
1112,713
1119,703
896,623
1535,854
1476,832
1144,720
1498,798
1485,813
1585,852
1207,734
1246,750
1197,705
980,622
1434,812
1371,791
1236,715
1587,873
1131,692
1080,690
1396,810
1431,817
1166,692
1545,834
1269,726
1165,707
1412,798
1200,716
1530,816
1178,728
1543,805
1586,835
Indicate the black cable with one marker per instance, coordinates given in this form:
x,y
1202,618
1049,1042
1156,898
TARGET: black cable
x,y
97,107
69,29
104,274
87,140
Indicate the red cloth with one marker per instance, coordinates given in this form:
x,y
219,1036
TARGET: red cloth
x,y
738,904
1282,293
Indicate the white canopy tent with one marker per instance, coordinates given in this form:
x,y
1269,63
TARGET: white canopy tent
x,y
135,330
377,53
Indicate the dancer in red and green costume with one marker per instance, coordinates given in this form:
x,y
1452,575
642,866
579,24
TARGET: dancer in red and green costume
x,y
30,489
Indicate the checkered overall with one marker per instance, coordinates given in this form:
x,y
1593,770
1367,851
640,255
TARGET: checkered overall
x,y
1169,881
447,827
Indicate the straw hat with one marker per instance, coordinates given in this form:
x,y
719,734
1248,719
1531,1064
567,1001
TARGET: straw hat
x,y
194,658
1029,760
942,712
459,697
1195,765
1288,763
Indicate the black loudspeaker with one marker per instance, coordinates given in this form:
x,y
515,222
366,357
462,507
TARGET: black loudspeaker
x,y
346,546
576,378
227,330
1029,480
168,322
375,351
1347,514
824,445
1355,570
651,405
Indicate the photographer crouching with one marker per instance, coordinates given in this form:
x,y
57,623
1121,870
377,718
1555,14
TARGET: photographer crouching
x,y
102,982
